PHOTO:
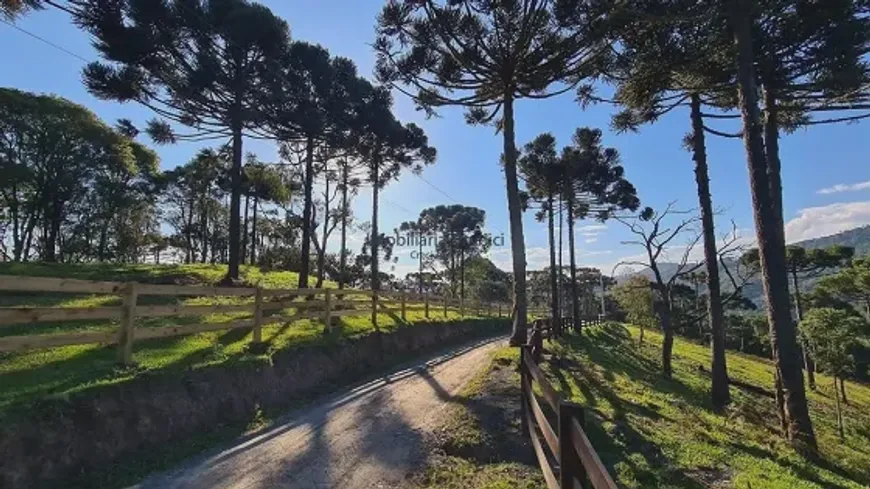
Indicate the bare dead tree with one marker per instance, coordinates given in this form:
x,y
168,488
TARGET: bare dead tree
x,y
657,237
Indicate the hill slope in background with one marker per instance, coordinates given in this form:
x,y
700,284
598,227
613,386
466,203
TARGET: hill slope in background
x,y
858,238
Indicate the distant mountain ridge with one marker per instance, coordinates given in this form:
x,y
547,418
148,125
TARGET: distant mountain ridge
x,y
858,238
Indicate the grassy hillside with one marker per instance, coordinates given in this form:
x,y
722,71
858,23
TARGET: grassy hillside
x,y
653,432
58,372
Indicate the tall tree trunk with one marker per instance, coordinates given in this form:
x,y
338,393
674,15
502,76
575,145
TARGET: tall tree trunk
x,y
559,276
664,313
843,391
28,241
420,258
203,229
554,288
343,258
518,245
809,364
575,298
234,256
376,279
321,254
52,233
305,265
720,395
798,303
462,276
254,232
771,144
698,301
188,232
453,271
101,247
770,243
245,236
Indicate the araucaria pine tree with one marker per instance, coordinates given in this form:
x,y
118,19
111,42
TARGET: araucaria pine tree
x,y
483,56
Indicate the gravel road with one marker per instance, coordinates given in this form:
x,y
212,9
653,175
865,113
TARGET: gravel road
x,y
369,437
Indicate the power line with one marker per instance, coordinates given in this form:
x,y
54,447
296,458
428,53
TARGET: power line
x,y
85,60
397,206
447,195
436,188
46,41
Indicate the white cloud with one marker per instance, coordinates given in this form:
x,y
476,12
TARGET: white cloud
x,y
842,187
591,239
538,257
595,228
815,222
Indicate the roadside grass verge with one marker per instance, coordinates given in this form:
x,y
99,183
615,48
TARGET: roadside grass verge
x,y
655,432
57,373
481,446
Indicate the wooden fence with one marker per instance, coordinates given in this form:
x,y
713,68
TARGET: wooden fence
x,y
323,304
543,329
570,462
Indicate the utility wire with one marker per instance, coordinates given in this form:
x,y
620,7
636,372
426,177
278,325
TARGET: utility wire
x,y
46,41
85,60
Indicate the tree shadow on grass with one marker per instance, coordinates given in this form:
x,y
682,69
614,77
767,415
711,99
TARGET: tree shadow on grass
x,y
620,442
801,470
613,352
494,413
611,348
324,458
615,435
51,378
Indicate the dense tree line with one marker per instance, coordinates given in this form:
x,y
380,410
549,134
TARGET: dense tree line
x,y
78,190
73,187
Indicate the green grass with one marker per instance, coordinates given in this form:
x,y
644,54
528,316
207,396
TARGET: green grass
x,y
654,432
31,376
479,453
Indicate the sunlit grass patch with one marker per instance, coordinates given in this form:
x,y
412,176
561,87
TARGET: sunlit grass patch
x,y
59,372
656,432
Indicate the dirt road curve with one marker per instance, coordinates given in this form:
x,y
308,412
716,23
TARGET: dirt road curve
x,y
366,438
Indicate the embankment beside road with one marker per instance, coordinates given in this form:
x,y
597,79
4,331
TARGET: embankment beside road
x,y
87,440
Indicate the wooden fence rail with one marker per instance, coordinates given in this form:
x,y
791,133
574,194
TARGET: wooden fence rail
x,y
569,460
323,304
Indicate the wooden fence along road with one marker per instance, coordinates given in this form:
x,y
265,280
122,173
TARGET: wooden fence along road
x,y
323,304
571,455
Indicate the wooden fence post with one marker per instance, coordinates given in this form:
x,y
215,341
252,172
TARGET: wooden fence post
x,y
404,299
524,402
426,303
258,317
128,323
375,309
327,314
571,467
537,341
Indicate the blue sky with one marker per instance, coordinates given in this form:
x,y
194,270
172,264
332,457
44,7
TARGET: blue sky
x,y
823,157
